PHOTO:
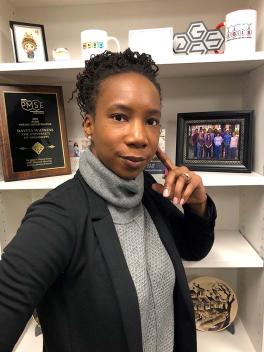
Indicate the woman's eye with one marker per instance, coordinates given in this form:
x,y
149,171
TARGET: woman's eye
x,y
153,122
119,117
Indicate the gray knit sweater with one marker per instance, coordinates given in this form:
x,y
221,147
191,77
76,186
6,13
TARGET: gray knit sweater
x,y
148,262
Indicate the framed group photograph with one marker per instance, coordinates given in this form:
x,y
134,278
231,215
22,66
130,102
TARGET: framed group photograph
x,y
29,42
215,140
33,134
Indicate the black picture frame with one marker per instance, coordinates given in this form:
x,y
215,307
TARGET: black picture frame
x,y
29,42
194,153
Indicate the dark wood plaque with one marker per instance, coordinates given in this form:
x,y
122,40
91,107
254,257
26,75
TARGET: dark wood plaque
x,y
33,133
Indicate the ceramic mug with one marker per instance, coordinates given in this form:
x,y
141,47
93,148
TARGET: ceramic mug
x,y
240,32
95,41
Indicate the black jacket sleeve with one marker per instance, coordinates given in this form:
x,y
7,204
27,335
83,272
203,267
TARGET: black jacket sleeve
x,y
193,235
31,262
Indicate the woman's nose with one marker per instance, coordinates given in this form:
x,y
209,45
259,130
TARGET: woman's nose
x,y
137,134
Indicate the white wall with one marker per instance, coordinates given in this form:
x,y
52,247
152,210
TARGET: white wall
x,y
254,98
17,200
197,94
6,13
259,6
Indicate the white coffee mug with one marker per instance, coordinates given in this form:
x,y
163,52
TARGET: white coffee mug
x,y
95,41
240,32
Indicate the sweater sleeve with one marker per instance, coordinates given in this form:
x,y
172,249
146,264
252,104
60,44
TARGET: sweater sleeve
x,y
31,262
198,231
193,235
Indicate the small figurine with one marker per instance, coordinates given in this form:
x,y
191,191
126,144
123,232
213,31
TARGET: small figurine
x,y
60,54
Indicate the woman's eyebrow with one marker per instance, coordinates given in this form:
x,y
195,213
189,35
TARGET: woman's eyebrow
x,y
120,107
129,110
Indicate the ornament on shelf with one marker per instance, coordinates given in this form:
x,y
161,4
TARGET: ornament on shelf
x,y
198,39
215,303
61,54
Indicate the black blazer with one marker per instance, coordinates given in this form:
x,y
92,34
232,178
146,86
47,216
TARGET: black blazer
x,y
66,259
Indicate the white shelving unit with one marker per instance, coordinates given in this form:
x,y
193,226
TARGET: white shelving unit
x,y
189,83
216,179
174,66
230,250
239,342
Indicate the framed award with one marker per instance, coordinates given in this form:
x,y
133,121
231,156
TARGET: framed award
x,y
33,132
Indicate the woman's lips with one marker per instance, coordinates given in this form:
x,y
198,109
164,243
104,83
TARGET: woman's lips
x,y
134,158
134,161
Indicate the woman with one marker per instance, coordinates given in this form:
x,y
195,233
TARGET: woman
x,y
208,144
218,145
233,146
99,256
200,144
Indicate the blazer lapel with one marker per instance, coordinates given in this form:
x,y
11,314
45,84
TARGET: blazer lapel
x,y
122,281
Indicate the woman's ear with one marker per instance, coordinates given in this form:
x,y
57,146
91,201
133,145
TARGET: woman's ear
x,y
88,125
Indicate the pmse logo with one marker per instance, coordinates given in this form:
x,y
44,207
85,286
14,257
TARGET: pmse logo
x,y
35,106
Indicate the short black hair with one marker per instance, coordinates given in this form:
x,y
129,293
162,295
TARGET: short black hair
x,y
101,66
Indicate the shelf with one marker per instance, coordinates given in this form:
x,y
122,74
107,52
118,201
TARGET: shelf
x,y
209,179
224,341
226,179
36,183
48,72
174,66
231,179
210,65
221,341
230,250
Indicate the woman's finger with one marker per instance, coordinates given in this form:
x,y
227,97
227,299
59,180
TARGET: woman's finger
x,y
194,191
163,157
179,190
185,193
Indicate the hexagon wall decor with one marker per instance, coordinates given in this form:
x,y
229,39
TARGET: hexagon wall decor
x,y
198,39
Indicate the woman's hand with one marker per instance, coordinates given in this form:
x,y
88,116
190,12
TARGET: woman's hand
x,y
182,186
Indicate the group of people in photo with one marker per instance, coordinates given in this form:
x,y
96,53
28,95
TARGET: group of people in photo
x,y
214,142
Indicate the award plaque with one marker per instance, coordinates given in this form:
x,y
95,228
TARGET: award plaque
x,y
33,132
